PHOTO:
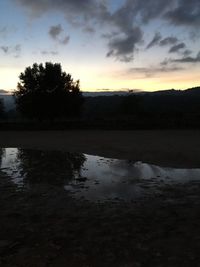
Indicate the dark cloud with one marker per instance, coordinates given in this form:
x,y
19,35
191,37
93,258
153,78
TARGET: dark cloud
x,y
168,41
74,10
179,12
137,11
55,31
147,10
187,52
123,48
177,48
185,12
131,15
92,12
188,59
155,40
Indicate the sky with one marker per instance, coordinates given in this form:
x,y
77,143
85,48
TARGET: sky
x,y
106,44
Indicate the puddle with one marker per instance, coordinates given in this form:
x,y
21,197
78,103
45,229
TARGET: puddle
x,y
92,177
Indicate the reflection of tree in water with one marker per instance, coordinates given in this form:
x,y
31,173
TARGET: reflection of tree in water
x,y
54,167
1,154
2,151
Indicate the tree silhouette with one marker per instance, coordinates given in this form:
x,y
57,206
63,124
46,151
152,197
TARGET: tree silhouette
x,y
2,108
46,92
130,105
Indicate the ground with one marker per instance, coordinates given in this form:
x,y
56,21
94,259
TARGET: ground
x,y
173,148
46,226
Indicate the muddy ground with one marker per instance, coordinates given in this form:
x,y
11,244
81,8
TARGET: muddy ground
x,y
173,148
46,226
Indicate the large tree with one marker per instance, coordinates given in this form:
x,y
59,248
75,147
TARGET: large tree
x,y
47,92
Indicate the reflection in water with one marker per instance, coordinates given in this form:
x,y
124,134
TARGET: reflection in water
x,y
11,166
92,177
54,167
1,154
29,167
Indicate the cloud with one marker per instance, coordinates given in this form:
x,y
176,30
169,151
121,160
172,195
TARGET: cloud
x,y
152,71
129,16
155,40
177,48
87,13
123,48
188,59
11,50
165,62
74,10
5,49
187,52
89,29
147,10
185,13
55,33
194,35
53,53
168,41
65,40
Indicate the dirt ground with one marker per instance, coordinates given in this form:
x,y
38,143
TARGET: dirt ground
x,y
168,148
46,227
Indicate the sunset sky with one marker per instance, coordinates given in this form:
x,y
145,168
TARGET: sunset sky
x,y
107,44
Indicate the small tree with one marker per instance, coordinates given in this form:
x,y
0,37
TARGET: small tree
x,y
46,92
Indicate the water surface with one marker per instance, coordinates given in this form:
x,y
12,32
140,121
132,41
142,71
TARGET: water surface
x,y
92,177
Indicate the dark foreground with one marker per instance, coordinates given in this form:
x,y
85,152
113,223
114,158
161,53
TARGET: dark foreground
x,y
45,226
173,148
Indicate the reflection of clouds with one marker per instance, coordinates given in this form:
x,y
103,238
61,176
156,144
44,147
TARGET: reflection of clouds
x,y
1,154
106,178
128,180
140,170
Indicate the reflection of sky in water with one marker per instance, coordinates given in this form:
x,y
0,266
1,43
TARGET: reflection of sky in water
x,y
11,166
107,178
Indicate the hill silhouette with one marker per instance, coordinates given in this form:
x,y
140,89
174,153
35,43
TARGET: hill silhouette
x,y
171,109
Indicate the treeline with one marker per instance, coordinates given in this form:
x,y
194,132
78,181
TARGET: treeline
x,y
142,111
170,109
47,97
